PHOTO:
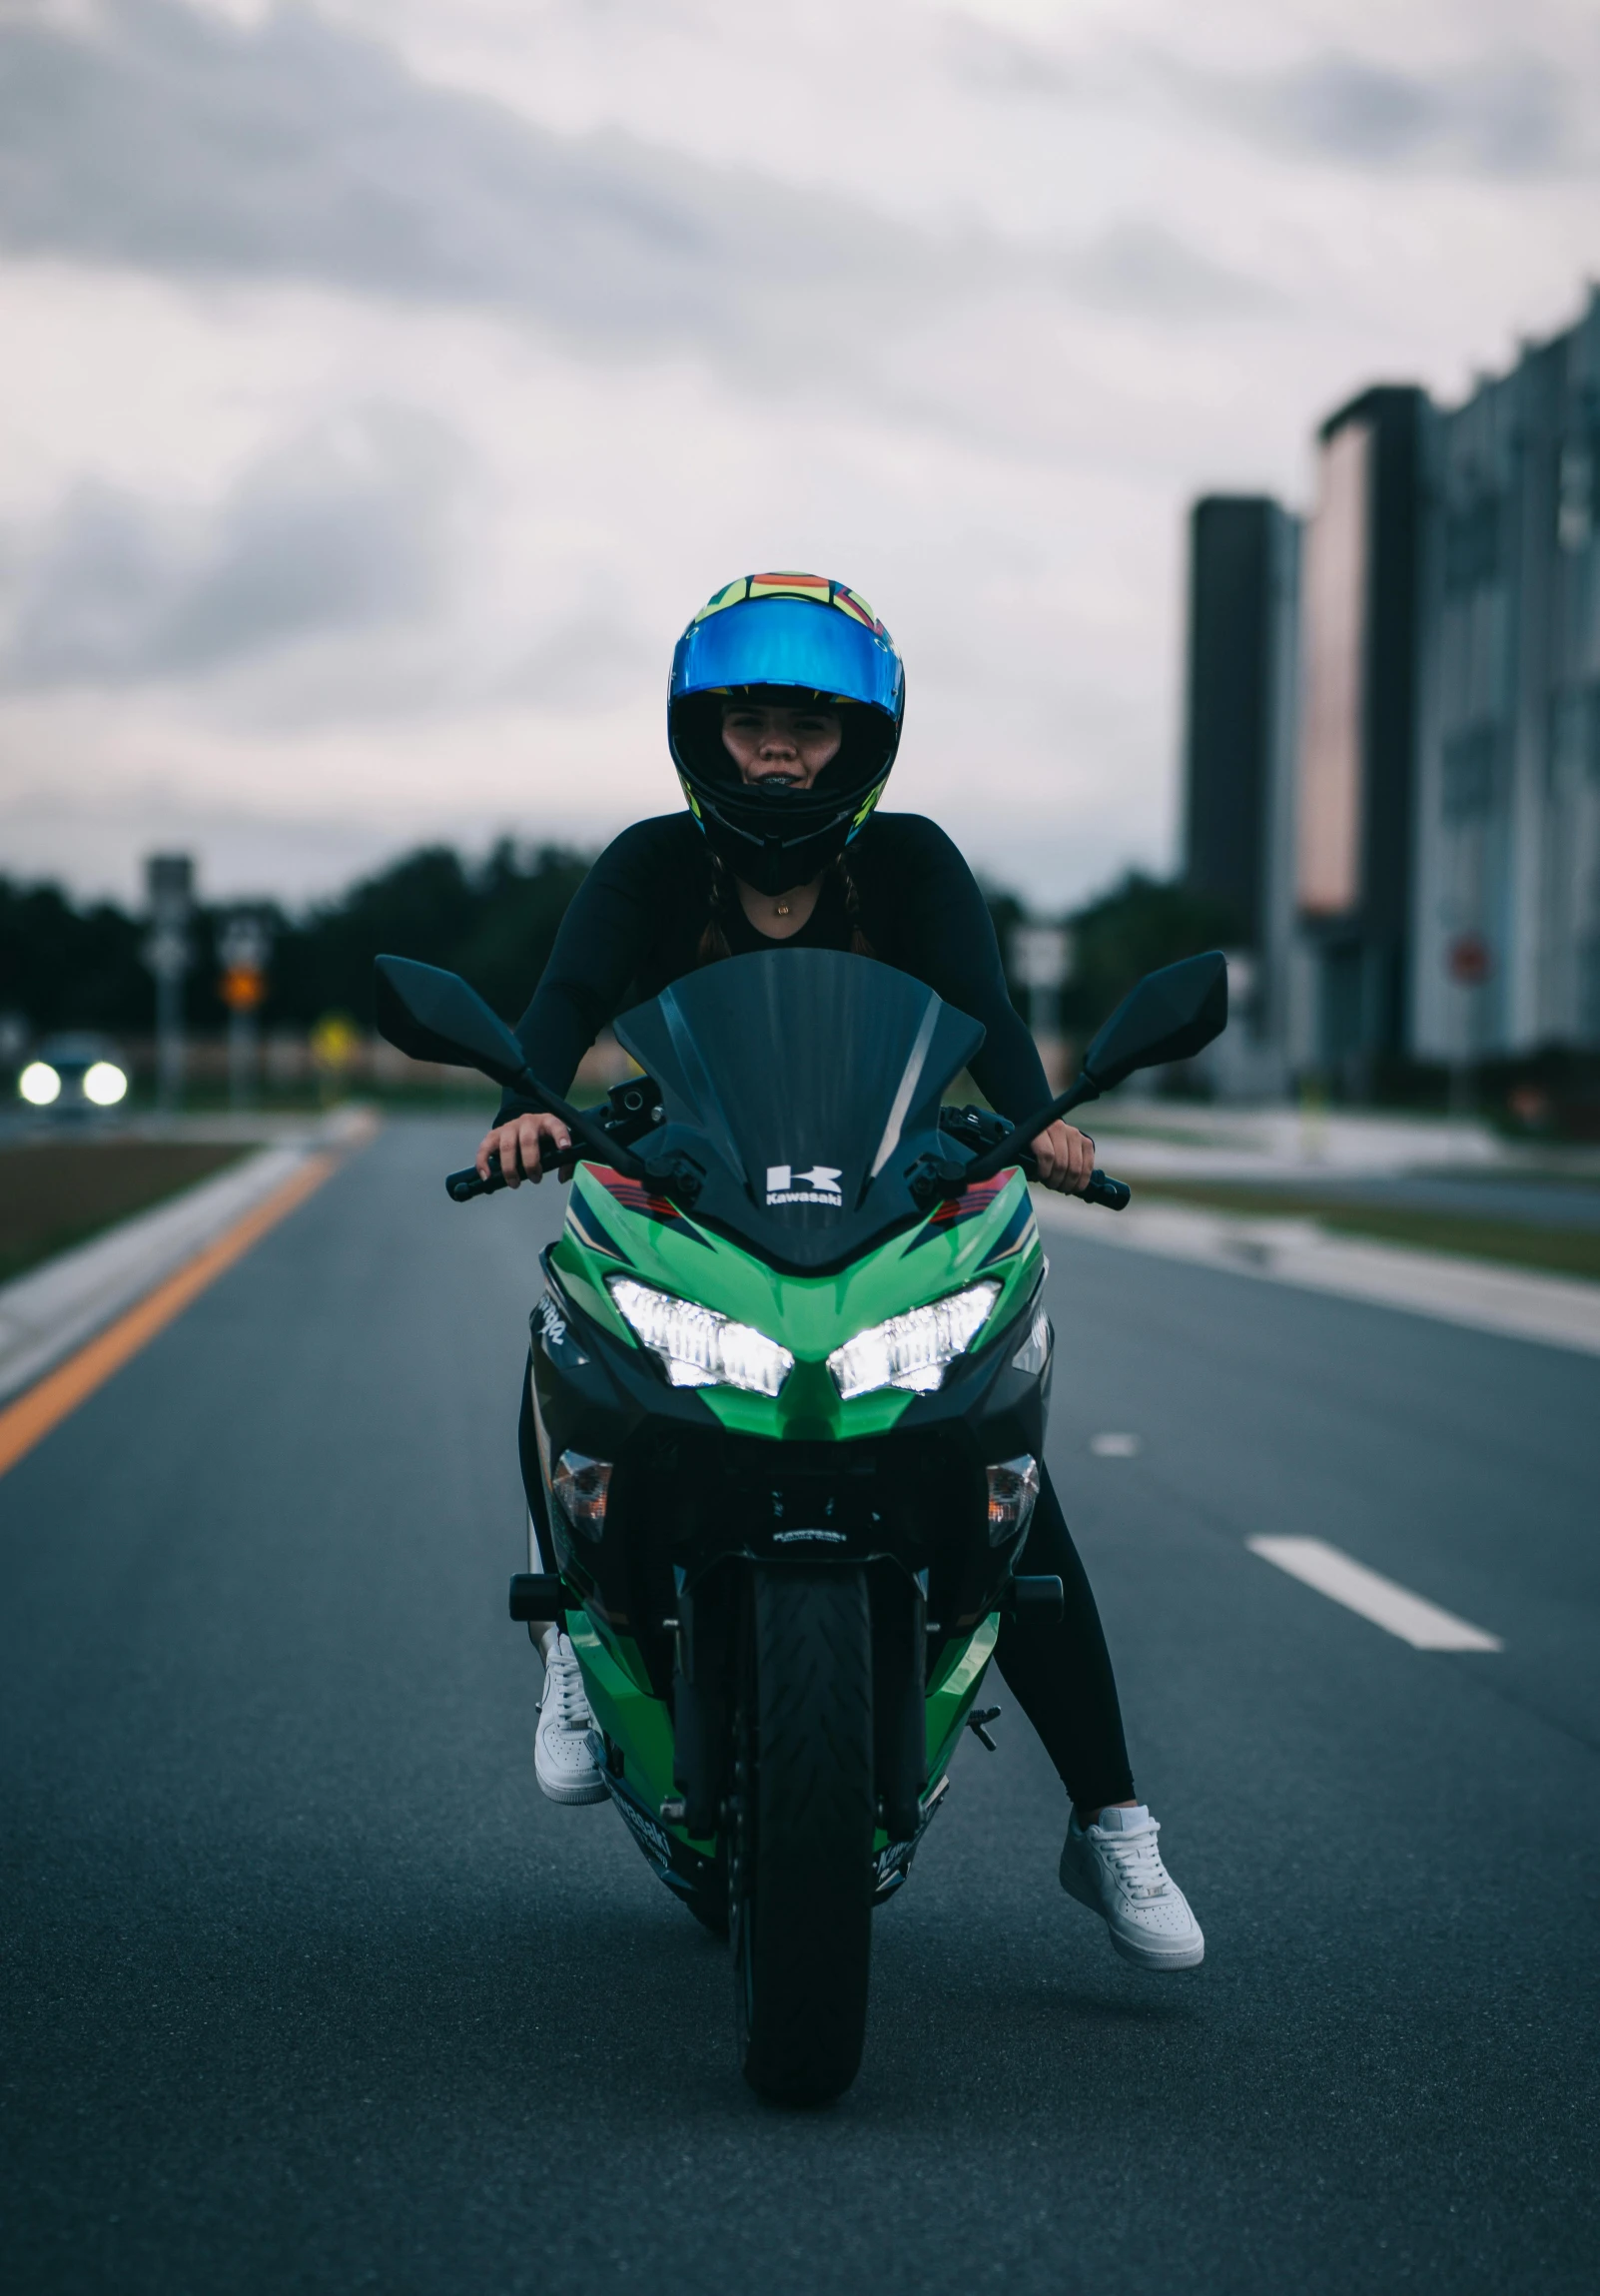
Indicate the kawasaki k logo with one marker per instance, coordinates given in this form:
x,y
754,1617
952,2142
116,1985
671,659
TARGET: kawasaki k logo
x,y
818,1185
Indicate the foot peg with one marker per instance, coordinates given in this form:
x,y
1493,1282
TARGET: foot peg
x,y
977,1721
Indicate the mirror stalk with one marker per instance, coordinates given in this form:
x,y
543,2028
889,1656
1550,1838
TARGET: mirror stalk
x,y
583,1126
1022,1136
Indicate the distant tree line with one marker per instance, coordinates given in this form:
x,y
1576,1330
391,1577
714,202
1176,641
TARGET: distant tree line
x,y
68,967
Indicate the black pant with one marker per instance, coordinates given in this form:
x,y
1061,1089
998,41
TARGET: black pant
x,y
1060,1674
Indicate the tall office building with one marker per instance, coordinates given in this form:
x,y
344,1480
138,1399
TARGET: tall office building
x,y
1506,956
1358,746
1240,717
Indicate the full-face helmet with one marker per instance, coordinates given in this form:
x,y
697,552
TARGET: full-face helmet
x,y
792,639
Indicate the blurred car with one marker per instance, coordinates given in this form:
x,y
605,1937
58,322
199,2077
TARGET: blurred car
x,y
74,1076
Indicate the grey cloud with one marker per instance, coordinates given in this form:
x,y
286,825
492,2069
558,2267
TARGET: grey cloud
x,y
1137,266
338,533
1510,114
172,141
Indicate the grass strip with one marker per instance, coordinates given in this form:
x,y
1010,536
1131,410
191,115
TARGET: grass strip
x,y
1513,1243
58,1192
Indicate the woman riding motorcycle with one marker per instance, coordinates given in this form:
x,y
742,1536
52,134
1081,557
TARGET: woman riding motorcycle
x,y
783,719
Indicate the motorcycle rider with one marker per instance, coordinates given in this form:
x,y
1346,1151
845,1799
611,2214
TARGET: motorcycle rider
x,y
784,715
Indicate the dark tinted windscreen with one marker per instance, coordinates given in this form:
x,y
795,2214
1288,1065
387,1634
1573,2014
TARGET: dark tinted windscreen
x,y
803,1069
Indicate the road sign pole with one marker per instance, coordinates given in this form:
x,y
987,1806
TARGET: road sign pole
x,y
169,886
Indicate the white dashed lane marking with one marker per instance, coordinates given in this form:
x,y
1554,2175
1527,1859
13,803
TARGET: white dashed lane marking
x,y
1400,1612
1115,1446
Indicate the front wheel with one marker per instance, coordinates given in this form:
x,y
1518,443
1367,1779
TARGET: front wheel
x,y
800,1869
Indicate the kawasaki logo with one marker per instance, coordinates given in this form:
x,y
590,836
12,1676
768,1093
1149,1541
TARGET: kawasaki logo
x,y
818,1185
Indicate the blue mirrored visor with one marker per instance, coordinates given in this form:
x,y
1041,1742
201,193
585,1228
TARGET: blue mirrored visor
x,y
788,642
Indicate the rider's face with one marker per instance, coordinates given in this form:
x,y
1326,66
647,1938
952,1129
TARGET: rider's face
x,y
787,746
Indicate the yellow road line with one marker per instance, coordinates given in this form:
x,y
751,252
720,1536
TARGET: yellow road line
x,y
31,1417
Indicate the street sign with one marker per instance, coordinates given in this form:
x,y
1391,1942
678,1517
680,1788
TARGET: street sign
x,y
1041,954
170,898
1470,959
244,942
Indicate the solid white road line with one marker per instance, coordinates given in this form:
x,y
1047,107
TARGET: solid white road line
x,y
1422,1624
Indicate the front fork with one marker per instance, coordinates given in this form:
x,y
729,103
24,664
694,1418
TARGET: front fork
x,y
704,1682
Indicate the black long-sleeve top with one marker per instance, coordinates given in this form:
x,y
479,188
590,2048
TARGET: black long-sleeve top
x,y
636,924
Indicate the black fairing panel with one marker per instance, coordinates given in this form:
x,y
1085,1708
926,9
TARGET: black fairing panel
x,y
805,1085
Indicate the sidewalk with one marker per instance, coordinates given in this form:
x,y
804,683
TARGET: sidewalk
x,y
1560,1310
1203,1142
51,1310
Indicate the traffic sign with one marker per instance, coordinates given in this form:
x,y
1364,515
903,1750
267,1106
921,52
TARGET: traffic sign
x,y
1470,959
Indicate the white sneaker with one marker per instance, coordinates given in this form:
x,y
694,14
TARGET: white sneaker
x,y
1114,1869
563,1753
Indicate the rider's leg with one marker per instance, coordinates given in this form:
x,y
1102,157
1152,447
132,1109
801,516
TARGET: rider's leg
x,y
563,1750
1062,1674
1062,1680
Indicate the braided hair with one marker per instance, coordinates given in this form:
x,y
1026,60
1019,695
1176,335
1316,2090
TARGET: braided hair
x,y
714,944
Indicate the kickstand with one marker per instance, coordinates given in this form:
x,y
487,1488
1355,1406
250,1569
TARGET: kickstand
x,y
975,1721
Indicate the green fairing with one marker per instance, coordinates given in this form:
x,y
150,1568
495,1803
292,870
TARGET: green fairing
x,y
628,1711
811,1316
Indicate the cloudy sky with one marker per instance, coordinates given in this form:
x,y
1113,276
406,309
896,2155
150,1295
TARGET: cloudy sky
x,y
384,381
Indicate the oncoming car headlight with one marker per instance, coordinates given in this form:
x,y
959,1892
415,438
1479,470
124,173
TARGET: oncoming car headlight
x,y
39,1084
696,1346
104,1084
913,1350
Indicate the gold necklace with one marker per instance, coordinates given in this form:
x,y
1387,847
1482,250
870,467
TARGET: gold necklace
x,y
782,908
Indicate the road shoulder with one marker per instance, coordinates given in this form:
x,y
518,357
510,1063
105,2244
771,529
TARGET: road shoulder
x,y
1559,1310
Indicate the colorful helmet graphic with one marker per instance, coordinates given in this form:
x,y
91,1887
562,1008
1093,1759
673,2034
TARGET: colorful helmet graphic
x,y
790,637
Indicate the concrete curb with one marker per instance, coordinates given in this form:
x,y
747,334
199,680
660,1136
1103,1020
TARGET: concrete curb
x,y
51,1310
1516,1303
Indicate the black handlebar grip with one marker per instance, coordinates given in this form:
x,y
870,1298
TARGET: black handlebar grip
x,y
461,1186
1101,1189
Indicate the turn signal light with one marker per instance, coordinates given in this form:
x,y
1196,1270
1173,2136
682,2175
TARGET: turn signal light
x,y
581,1486
1013,1488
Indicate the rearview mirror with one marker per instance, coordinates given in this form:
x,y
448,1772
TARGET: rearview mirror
x,y
436,1016
1171,1015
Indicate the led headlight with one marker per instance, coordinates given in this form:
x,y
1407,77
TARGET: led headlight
x,y
39,1084
913,1350
104,1084
696,1346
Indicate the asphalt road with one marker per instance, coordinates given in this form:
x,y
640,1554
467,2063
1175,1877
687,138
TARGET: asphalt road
x,y
307,1989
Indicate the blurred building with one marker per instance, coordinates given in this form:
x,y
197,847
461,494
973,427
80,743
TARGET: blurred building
x,y
1356,751
1240,716
1507,883
1393,732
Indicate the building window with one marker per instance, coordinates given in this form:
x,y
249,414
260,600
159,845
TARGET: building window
x,y
1575,489
1472,545
1574,753
1471,773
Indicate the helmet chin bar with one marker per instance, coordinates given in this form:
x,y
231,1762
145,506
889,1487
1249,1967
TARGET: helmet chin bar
x,y
771,864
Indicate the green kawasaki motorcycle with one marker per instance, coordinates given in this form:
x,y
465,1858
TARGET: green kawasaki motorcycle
x,y
787,1395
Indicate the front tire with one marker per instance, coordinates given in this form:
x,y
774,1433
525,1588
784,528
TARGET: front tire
x,y
800,1872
